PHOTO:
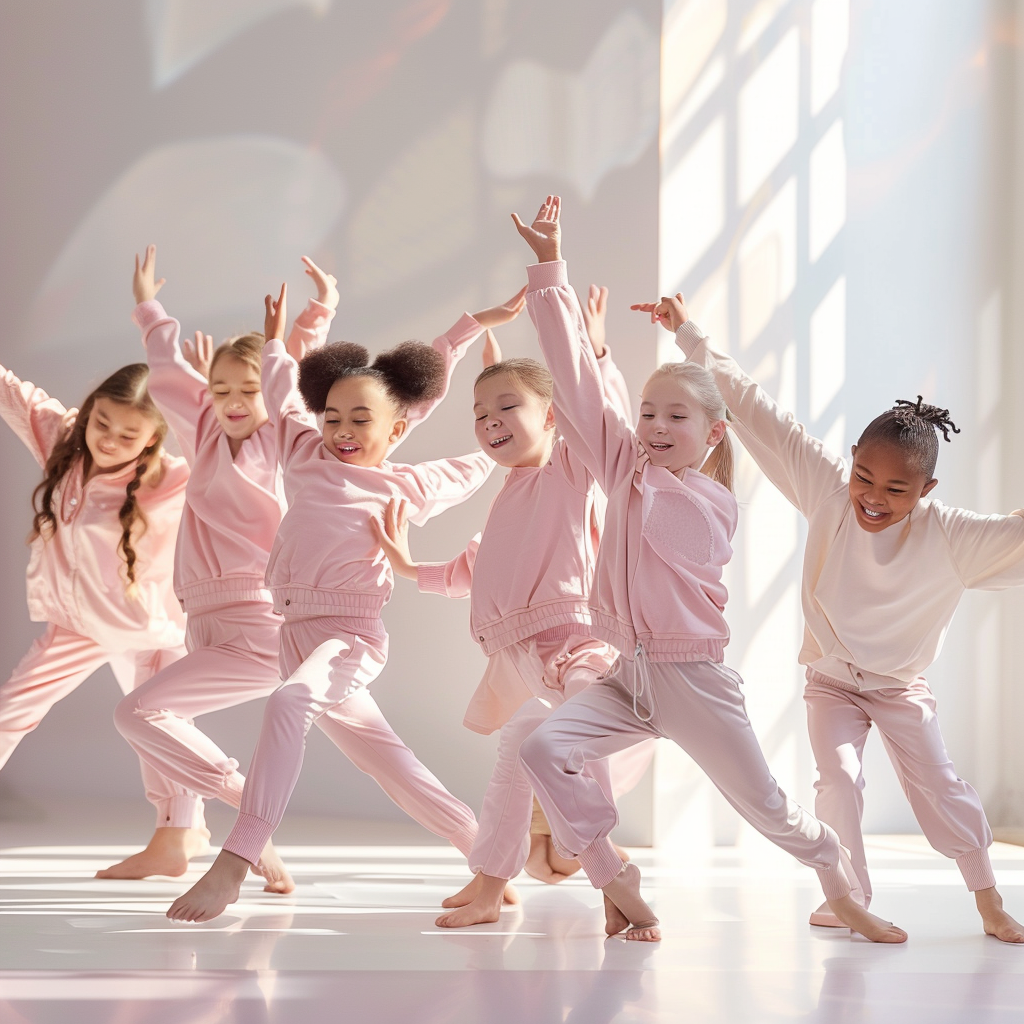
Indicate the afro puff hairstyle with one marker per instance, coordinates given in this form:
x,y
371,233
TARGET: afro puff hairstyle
x,y
912,426
410,372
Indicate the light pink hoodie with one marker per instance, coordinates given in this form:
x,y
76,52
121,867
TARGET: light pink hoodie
x,y
326,559
658,582
76,576
531,568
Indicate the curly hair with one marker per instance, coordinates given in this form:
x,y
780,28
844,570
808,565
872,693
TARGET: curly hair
x,y
913,427
126,386
409,373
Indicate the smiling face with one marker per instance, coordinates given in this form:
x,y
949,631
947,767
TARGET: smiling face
x,y
514,425
117,434
237,397
361,421
885,485
674,428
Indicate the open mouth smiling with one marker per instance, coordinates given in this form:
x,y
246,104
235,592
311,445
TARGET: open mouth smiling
x,y
499,441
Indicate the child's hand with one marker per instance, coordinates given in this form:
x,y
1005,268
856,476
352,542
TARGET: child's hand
x,y
326,284
492,351
392,532
198,354
143,286
544,235
276,315
594,311
670,312
497,316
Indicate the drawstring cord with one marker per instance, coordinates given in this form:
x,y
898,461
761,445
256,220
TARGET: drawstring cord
x,y
641,671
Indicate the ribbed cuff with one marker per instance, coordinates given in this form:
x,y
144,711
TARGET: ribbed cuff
x,y
834,883
976,867
688,337
601,862
463,840
430,577
249,836
547,275
180,812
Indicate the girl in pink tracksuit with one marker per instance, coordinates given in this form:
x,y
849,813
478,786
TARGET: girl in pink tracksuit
x,y
330,580
658,597
102,546
884,570
528,576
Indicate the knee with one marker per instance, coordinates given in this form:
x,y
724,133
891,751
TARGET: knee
x,y
840,777
126,714
535,750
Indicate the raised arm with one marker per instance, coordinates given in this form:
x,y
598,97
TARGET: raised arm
x,y
797,463
988,550
432,487
311,326
39,420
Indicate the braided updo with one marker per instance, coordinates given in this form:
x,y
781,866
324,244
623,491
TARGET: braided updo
x,y
410,373
913,427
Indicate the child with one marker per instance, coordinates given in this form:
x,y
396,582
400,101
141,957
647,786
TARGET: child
x,y
99,574
658,597
884,570
528,576
330,579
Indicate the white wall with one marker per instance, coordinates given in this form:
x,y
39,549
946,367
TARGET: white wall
x,y
388,141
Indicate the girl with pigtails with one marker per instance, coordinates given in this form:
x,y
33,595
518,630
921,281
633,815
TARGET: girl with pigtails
x,y
102,549
884,570
330,581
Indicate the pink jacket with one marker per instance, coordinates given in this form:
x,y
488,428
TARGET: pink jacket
x,y
326,560
76,577
658,582
876,605
233,505
531,568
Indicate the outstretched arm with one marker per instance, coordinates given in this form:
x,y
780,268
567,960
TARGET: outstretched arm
x,y
311,326
38,420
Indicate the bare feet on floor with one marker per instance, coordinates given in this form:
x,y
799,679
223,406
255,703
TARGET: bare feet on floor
x,y
470,892
168,853
483,908
997,921
272,868
625,909
209,897
546,864
859,920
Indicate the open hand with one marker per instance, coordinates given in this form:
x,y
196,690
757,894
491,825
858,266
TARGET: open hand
x,y
497,316
544,235
670,312
492,350
198,354
326,284
392,532
276,314
594,311
144,287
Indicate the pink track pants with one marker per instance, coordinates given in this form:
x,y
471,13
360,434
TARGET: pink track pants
x,y
698,705
328,663
56,664
948,810
233,658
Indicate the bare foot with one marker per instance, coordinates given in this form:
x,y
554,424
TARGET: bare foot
x,y
484,908
537,864
857,919
468,893
625,908
213,892
168,853
272,868
997,921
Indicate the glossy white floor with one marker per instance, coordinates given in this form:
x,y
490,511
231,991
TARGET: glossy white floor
x,y
357,942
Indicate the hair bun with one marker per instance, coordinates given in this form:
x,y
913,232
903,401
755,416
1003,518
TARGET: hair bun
x,y
906,411
323,366
413,373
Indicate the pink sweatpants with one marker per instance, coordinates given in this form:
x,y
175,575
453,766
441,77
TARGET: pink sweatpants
x,y
328,663
233,658
55,665
947,808
698,705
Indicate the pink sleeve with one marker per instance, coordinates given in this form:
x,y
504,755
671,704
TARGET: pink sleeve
x,y
798,464
593,429
39,420
309,330
988,551
453,345
178,389
288,414
432,487
451,579
615,391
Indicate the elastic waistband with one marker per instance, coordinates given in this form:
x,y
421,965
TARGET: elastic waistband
x,y
657,648
529,622
295,601
223,590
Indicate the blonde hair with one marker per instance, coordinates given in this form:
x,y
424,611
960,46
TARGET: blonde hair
x,y
527,374
246,348
699,383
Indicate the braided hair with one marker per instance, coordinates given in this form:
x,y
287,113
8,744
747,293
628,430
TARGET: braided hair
x,y
409,373
913,427
126,386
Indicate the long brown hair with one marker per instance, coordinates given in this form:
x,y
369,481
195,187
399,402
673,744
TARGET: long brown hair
x,y
127,387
